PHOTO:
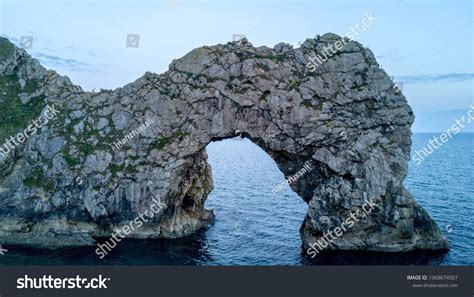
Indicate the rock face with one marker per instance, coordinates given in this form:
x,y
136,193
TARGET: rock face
x,y
69,182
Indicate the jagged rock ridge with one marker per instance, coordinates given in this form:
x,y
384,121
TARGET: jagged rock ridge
x,y
68,184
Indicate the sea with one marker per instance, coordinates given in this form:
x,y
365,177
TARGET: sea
x,y
255,226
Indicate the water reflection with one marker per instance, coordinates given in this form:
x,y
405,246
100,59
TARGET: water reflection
x,y
184,251
375,258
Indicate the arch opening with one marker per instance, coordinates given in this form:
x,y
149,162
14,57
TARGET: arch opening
x,y
252,223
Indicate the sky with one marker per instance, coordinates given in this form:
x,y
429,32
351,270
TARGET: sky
x,y
425,45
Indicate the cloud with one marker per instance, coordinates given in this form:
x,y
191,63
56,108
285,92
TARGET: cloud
x,y
56,61
430,78
50,59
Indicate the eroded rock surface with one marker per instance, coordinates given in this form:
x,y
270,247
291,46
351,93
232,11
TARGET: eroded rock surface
x,y
69,183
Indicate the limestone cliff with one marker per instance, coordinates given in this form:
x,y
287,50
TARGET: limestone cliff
x,y
68,183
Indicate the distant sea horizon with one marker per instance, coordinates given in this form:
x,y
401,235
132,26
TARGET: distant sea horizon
x,y
438,121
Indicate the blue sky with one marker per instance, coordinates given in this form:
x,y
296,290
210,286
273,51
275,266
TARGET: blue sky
x,y
427,45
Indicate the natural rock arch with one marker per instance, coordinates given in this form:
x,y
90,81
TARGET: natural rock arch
x,y
69,183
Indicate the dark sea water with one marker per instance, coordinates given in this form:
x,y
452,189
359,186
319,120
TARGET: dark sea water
x,y
443,184
256,227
